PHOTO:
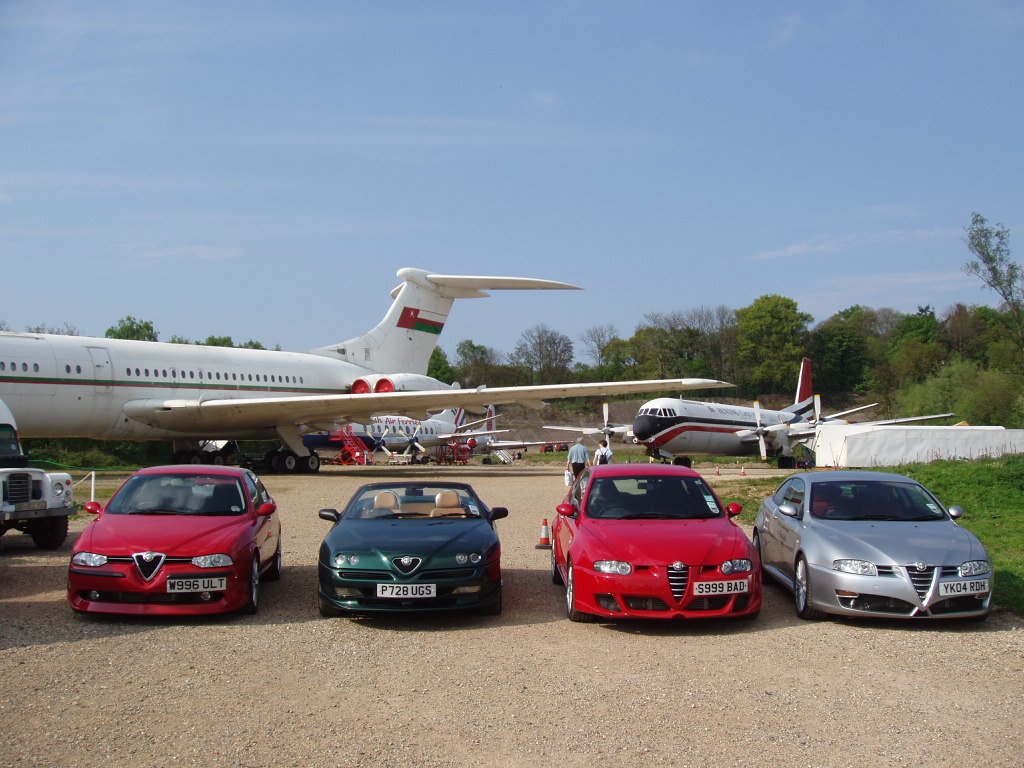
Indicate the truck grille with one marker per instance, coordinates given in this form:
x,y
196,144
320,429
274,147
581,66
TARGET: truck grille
x,y
18,488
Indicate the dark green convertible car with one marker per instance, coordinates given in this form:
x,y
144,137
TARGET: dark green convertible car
x,y
411,546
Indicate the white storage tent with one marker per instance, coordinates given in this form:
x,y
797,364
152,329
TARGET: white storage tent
x,y
854,445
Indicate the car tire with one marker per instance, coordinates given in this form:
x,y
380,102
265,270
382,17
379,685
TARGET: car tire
x,y
570,597
49,532
252,603
756,540
328,609
277,561
802,593
556,576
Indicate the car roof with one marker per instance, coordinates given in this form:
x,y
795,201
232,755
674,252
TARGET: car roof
x,y
645,470
852,475
215,470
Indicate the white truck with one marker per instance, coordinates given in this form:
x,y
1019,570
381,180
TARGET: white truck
x,y
32,501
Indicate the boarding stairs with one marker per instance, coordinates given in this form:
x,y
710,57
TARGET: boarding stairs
x,y
353,450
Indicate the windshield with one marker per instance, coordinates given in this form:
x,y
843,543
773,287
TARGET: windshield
x,y
873,500
178,495
655,498
382,502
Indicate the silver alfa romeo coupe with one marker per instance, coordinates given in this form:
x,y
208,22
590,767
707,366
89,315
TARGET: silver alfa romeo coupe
x,y
873,544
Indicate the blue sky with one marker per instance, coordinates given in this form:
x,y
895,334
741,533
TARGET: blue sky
x,y
262,170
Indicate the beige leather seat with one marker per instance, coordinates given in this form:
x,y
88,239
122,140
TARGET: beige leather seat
x,y
446,503
384,503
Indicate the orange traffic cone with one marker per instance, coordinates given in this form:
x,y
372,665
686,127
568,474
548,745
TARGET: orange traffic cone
x,y
743,471
545,536
718,471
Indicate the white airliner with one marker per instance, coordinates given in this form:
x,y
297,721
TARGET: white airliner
x,y
112,389
675,428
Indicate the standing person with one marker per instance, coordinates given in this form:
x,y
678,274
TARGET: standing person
x,y
604,454
579,457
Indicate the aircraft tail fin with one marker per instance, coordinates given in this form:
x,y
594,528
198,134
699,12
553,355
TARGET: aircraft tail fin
x,y
804,402
492,421
404,340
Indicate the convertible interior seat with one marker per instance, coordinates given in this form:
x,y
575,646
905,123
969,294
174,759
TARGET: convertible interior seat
x,y
447,503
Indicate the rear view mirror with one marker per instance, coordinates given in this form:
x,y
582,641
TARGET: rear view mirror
x,y
329,514
734,509
789,510
93,507
499,512
566,509
955,512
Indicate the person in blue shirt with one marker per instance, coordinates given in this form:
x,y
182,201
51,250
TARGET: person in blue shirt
x,y
579,457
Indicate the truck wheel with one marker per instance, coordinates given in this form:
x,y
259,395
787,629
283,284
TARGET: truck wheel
x,y
49,532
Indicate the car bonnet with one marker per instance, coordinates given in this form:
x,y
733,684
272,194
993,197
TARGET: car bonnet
x,y
174,535
424,537
939,542
652,542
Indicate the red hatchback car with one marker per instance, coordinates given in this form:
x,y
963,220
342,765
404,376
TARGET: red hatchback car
x,y
652,541
177,540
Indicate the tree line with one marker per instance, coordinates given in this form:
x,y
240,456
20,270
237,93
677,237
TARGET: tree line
x,y
968,359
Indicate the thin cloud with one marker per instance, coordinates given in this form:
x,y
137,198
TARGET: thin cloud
x,y
781,32
832,243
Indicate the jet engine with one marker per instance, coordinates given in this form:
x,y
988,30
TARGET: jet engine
x,y
396,382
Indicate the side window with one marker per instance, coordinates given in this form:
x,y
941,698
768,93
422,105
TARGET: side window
x,y
795,494
580,487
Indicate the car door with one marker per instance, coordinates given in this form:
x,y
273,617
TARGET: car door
x,y
778,529
568,525
268,527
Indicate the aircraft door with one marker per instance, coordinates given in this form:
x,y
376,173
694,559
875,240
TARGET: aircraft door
x,y
102,371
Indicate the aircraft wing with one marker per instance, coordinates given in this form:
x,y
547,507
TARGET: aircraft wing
x,y
226,417
507,445
805,431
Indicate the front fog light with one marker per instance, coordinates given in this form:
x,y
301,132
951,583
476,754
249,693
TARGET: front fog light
x,y
615,567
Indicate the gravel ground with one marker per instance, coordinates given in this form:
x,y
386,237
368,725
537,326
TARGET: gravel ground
x,y
288,688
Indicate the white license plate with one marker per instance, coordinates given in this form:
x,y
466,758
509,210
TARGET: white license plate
x,y
954,588
215,584
406,590
720,587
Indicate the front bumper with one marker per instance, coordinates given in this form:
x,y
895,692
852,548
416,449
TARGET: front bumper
x,y
355,590
118,588
897,592
651,593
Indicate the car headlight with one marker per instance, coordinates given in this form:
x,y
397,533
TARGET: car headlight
x,y
616,567
58,489
859,567
89,558
975,567
212,561
341,560
473,557
737,566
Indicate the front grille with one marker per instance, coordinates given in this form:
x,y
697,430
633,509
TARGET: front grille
x,y
19,488
922,580
678,581
645,603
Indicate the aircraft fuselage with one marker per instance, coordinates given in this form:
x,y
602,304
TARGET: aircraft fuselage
x,y
75,386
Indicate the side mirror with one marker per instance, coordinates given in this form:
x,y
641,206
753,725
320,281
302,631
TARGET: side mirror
x,y
93,507
789,510
329,514
266,509
955,512
566,509
499,512
734,509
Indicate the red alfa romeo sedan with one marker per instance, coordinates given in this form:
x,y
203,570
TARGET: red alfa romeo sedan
x,y
178,540
652,541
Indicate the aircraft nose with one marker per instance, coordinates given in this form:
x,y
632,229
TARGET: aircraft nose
x,y
645,427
